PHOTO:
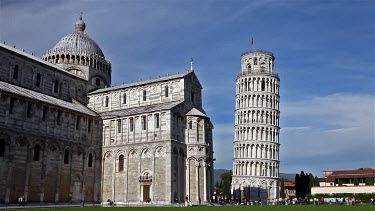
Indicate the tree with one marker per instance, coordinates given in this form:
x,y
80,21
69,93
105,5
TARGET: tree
x,y
226,178
311,182
316,182
298,185
340,182
369,181
355,181
217,184
282,189
221,184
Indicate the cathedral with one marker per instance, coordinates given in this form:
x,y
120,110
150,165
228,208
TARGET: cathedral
x,y
67,135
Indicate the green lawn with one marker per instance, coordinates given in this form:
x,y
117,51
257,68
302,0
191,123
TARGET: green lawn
x,y
225,208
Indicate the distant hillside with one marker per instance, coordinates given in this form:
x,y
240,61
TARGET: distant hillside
x,y
218,172
288,177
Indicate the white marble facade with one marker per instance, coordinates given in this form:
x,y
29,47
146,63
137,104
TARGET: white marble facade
x,y
256,144
66,135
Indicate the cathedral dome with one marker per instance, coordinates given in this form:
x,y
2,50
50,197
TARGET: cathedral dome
x,y
76,48
78,43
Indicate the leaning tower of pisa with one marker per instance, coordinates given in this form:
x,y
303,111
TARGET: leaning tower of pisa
x,y
256,139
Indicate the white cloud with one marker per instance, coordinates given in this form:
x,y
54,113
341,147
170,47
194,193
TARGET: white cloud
x,y
339,134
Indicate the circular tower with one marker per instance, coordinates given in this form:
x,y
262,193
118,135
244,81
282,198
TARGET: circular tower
x,y
256,139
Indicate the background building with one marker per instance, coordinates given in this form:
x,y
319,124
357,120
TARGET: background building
x,y
256,144
346,181
65,137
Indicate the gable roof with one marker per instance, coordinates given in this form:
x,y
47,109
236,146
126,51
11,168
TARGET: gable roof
x,y
195,112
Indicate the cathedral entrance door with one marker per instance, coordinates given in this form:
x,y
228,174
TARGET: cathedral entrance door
x,y
146,192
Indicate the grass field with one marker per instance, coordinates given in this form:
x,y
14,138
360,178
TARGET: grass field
x,y
225,208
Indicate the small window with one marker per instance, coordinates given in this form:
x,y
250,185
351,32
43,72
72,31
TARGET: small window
x,y
124,98
121,163
15,72
2,148
106,101
255,61
119,126
45,109
97,81
166,94
249,67
90,160
144,122
263,85
36,152
11,105
157,121
28,112
56,86
131,124
37,81
58,118
78,121
190,124
144,95
89,123
66,156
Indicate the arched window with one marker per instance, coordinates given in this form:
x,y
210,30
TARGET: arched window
x,y
131,124
36,152
166,94
263,85
37,81
190,124
15,72
2,148
124,98
106,101
121,163
144,122
249,67
97,81
144,95
255,61
56,86
90,160
66,156
157,121
119,128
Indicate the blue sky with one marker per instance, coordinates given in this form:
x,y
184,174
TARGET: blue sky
x,y
324,51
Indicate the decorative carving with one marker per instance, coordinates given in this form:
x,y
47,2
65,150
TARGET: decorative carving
x,y
133,154
159,152
146,153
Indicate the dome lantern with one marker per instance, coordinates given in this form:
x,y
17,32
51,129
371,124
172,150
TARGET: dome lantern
x,y
80,25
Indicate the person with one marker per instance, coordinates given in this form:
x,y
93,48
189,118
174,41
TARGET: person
x,y
23,201
19,201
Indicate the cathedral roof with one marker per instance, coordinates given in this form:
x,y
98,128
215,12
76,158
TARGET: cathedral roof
x,y
181,75
139,110
75,106
77,43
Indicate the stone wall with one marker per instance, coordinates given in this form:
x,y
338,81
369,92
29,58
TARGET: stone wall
x,y
343,189
28,69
